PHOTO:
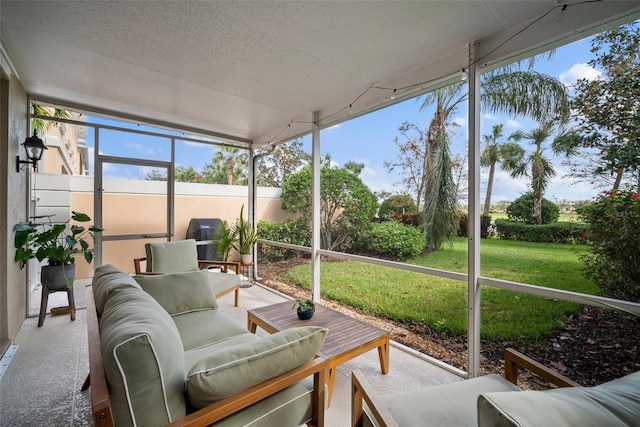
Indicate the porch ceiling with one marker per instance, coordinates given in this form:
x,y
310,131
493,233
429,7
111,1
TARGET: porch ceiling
x,y
257,71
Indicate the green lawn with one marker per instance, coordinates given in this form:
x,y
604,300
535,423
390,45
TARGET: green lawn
x,y
564,217
412,297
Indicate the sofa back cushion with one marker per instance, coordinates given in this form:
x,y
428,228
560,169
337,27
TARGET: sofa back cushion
x,y
180,293
143,360
615,403
172,257
236,368
106,279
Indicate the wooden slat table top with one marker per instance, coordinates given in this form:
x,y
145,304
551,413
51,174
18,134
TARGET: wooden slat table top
x,y
345,333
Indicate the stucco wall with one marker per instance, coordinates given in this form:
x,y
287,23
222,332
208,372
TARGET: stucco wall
x,y
13,291
139,207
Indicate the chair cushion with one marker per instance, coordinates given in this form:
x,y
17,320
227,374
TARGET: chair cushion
x,y
143,360
236,368
445,405
172,257
615,403
105,280
180,292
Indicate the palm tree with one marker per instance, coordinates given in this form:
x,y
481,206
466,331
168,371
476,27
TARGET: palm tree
x,y
535,164
229,166
524,93
493,153
40,126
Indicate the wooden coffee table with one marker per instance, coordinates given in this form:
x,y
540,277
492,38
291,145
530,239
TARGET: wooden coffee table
x,y
346,339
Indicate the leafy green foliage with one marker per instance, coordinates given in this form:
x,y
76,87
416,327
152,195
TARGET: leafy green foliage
x,y
391,239
346,204
245,235
556,232
400,204
56,242
607,107
292,231
614,234
522,210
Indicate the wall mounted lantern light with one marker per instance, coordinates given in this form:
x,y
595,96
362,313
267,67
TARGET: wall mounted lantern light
x,y
34,148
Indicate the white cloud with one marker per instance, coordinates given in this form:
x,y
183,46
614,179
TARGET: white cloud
x,y
514,124
578,71
488,116
460,121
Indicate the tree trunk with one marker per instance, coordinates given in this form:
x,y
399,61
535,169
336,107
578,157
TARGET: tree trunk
x,y
487,198
230,167
537,208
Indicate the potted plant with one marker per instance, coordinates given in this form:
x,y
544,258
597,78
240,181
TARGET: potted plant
x,y
224,239
246,236
306,308
56,243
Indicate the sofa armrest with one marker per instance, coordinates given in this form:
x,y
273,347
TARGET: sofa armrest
x,y
513,359
232,404
235,266
362,390
100,403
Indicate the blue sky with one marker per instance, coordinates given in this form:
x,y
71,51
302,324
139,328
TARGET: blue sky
x,y
369,139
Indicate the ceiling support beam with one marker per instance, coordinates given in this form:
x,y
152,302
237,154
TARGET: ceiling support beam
x,y
474,221
315,209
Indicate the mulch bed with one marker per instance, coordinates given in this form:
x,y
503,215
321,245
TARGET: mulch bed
x,y
592,348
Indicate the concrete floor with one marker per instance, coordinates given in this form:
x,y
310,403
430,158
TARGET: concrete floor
x,y
41,384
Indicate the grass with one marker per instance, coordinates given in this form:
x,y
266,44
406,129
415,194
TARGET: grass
x,y
413,297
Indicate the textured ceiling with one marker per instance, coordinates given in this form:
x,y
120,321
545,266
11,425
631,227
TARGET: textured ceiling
x,y
256,71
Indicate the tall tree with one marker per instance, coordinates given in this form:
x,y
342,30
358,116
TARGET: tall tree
x,y
440,218
536,164
494,151
40,126
505,90
229,166
280,161
412,161
607,107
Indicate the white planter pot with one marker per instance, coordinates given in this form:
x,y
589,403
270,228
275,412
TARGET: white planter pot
x,y
246,258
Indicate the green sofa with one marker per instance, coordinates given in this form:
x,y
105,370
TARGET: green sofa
x,y
170,356
495,401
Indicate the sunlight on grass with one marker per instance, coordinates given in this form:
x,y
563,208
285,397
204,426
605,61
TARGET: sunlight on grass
x,y
413,297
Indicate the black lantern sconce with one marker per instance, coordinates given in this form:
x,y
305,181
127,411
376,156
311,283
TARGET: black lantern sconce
x,y
34,148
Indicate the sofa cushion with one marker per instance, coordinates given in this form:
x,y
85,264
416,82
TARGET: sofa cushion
x,y
239,367
172,257
180,292
444,405
143,360
105,280
207,327
615,403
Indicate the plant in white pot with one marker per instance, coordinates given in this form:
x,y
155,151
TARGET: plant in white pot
x,y
246,237
56,243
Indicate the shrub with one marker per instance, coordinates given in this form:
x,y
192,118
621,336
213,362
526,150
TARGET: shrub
x,y
557,232
521,210
292,231
485,222
412,219
391,239
396,205
614,233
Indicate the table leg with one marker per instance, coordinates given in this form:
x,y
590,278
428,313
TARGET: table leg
x,y
330,373
383,354
251,325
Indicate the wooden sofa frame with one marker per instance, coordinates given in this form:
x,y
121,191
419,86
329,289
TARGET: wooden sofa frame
x,y
202,265
361,389
101,404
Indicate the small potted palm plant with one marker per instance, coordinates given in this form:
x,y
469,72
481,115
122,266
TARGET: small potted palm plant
x,y
306,308
246,237
57,243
